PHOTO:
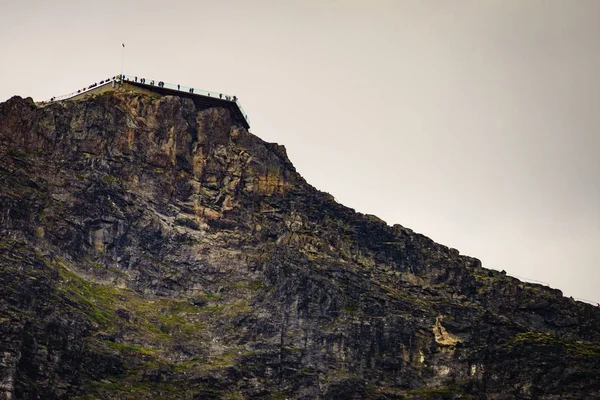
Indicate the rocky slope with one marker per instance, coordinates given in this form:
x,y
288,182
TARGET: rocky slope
x,y
149,250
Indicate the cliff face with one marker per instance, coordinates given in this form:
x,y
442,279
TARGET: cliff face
x,y
149,250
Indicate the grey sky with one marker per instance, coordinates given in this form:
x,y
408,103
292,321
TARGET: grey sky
x,y
473,122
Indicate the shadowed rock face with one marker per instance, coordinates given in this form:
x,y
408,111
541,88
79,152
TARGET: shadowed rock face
x,y
150,251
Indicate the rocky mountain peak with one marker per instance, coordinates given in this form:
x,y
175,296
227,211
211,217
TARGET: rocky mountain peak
x,y
151,249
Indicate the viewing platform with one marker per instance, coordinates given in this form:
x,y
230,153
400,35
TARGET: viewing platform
x,y
202,98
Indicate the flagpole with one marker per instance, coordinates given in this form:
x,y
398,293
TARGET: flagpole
x,y
122,61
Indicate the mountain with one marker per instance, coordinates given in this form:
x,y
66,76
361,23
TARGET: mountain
x,y
153,249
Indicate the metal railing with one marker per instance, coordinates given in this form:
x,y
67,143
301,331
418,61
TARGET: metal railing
x,y
187,89
157,83
527,280
83,90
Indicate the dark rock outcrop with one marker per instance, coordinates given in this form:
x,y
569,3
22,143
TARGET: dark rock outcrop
x,y
149,250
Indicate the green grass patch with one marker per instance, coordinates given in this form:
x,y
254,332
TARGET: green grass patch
x,y
576,349
129,348
441,393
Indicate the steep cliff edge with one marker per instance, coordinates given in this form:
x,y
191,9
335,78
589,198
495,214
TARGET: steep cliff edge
x,y
149,250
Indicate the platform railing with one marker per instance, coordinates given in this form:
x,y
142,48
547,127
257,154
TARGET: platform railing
x,y
154,82
83,90
187,89
528,280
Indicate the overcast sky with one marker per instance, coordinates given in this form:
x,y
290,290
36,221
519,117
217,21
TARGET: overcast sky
x,y
476,123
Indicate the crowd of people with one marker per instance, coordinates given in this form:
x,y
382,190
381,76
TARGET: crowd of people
x,y
93,85
190,90
142,81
